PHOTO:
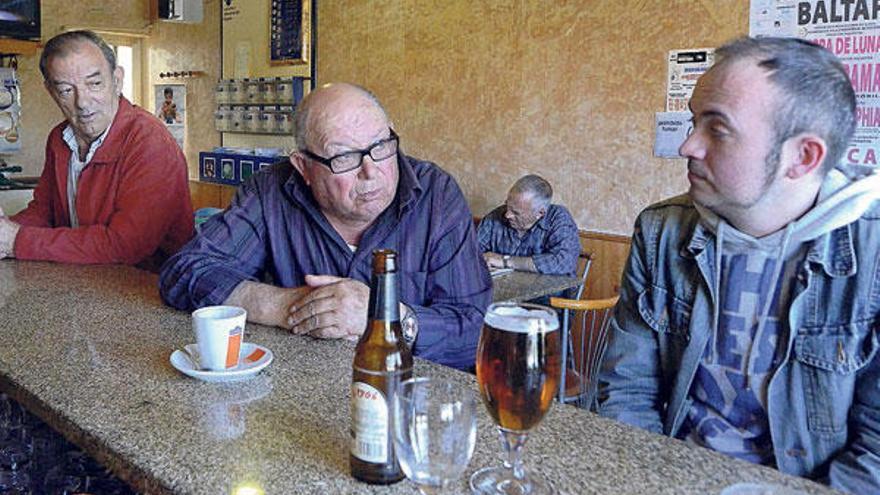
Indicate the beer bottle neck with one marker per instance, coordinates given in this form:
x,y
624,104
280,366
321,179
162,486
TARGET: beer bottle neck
x,y
383,298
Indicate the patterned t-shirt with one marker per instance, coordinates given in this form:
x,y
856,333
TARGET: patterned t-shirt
x,y
729,391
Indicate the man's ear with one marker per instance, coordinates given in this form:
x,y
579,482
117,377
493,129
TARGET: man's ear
x,y
804,154
299,163
118,75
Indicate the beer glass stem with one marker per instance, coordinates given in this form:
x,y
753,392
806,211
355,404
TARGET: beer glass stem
x,y
514,442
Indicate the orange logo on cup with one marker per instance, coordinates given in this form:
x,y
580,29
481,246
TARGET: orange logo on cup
x,y
233,347
255,356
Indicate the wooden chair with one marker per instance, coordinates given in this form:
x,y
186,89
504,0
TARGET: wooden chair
x,y
585,261
585,258
583,347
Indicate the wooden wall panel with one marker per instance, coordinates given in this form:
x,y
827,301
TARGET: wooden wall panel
x,y
226,195
204,194
609,257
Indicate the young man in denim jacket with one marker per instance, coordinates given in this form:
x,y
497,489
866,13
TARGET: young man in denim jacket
x,y
750,307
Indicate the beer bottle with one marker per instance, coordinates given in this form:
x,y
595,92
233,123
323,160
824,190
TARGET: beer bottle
x,y
381,361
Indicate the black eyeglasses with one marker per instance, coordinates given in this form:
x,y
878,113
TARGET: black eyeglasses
x,y
350,160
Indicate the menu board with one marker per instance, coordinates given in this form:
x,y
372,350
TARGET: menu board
x,y
289,31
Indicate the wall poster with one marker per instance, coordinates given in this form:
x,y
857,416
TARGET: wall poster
x,y
171,109
685,67
850,29
672,127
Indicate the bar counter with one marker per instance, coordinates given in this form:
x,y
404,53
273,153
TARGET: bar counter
x,y
87,348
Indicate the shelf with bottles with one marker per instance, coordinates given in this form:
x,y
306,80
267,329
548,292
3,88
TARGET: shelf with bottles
x,y
263,105
254,119
259,91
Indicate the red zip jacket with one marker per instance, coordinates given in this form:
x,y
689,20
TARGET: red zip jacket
x,y
133,199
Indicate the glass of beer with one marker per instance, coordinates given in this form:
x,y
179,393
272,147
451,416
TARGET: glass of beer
x,y
518,366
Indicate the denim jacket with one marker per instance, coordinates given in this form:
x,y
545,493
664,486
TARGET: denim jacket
x,y
823,399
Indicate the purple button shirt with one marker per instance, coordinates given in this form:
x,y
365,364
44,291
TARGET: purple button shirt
x,y
552,243
274,232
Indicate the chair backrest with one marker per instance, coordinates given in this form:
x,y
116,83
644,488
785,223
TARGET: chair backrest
x,y
584,339
587,258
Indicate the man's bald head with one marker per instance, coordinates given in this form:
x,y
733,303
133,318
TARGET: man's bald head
x,y
328,103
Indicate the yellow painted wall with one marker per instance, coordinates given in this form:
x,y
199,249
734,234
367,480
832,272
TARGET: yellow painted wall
x,y
492,90
177,47
246,54
167,47
246,28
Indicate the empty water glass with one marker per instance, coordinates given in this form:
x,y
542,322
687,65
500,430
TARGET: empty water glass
x,y
435,429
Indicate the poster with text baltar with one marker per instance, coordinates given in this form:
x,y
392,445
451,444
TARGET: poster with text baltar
x,y
851,30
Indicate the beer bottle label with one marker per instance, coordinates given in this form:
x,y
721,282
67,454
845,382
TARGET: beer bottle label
x,y
369,424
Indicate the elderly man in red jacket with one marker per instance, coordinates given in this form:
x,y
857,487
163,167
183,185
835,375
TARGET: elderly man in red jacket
x,y
114,186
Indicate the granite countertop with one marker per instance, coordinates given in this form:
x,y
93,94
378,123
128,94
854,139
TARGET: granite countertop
x,y
86,349
523,286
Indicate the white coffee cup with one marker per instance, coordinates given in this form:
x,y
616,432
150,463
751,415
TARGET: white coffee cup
x,y
219,334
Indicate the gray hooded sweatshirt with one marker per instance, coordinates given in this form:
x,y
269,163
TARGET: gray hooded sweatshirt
x,y
753,282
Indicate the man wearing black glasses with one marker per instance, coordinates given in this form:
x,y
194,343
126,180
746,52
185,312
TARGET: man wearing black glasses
x,y
311,225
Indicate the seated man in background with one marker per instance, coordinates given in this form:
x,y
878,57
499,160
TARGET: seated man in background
x,y
311,226
528,233
750,308
114,185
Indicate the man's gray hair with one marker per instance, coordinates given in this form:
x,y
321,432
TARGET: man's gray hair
x,y
540,189
61,45
301,117
816,93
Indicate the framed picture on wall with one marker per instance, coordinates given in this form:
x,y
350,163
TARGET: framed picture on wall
x,y
290,27
171,109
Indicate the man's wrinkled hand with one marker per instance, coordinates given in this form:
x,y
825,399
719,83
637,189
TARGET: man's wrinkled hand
x,y
335,308
493,260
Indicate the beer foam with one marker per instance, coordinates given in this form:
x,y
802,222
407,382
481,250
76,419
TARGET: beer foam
x,y
522,319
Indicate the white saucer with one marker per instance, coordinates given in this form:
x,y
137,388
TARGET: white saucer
x,y
255,357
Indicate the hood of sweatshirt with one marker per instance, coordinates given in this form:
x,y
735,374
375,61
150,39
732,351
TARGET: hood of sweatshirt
x,y
841,201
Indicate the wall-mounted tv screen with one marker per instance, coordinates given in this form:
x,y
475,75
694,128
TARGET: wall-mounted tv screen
x,y
20,19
